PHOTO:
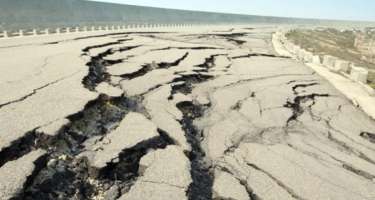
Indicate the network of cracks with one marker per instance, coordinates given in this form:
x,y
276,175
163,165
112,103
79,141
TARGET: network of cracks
x,y
244,121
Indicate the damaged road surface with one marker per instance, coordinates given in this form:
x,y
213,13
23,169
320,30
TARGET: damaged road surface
x,y
192,115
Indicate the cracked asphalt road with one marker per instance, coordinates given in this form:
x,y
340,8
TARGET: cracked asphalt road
x,y
163,115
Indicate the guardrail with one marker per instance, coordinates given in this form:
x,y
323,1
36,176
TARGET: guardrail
x,y
65,30
334,64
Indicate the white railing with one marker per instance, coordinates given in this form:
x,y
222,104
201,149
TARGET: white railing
x,y
65,30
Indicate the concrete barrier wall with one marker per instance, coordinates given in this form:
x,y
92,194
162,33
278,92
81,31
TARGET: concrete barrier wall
x,y
359,74
316,60
342,66
355,73
329,61
308,57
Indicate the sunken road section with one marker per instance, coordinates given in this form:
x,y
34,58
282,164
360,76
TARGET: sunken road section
x,y
195,115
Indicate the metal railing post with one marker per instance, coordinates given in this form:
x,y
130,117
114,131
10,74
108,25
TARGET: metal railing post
x,y
5,34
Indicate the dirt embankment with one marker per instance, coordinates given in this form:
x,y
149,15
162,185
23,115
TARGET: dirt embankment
x,y
355,46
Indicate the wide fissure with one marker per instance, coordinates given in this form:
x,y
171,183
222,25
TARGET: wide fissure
x,y
64,176
201,171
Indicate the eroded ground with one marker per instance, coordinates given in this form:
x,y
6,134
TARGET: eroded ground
x,y
162,115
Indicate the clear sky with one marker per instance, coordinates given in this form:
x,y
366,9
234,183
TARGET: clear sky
x,y
323,9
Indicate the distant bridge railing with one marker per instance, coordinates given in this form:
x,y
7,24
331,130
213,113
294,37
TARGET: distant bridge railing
x,y
65,30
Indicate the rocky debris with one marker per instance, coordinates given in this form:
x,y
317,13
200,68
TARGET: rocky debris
x,y
16,174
